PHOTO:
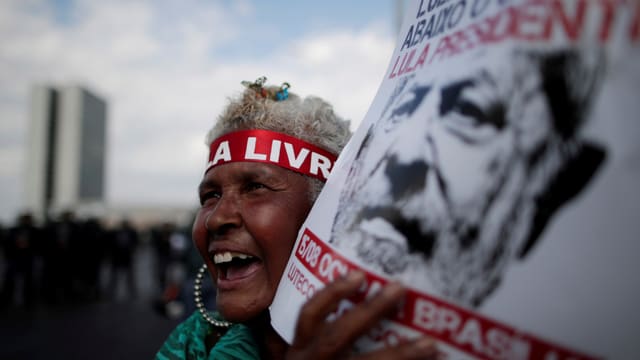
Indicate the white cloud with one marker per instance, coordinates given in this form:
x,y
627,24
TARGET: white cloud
x,y
349,69
165,79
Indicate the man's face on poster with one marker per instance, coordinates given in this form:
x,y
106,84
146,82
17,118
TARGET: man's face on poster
x,y
451,198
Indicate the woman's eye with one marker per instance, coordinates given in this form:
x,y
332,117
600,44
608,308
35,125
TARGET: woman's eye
x,y
209,196
252,186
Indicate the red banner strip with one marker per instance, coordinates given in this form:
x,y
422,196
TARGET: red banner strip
x,y
459,327
274,148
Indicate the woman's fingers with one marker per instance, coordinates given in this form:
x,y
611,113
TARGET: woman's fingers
x,y
364,316
324,302
321,339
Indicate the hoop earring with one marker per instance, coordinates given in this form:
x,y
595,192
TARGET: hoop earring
x,y
197,294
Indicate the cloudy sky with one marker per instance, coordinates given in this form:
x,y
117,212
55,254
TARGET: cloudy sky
x,y
166,67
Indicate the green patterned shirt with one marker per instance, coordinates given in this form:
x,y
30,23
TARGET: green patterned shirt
x,y
187,342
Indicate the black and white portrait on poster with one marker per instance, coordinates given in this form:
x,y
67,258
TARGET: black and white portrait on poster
x,y
495,175
462,173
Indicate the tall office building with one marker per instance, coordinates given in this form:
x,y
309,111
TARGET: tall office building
x,y
66,153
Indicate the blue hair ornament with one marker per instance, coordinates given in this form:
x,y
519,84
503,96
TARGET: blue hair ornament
x,y
258,87
283,94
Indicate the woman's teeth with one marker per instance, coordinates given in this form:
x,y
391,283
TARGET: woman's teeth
x,y
228,256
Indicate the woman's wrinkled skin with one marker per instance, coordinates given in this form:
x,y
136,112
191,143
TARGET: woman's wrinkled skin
x,y
252,212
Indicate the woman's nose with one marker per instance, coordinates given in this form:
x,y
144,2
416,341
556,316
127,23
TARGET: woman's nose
x,y
224,216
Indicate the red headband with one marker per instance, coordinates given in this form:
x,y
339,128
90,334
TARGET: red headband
x,y
273,148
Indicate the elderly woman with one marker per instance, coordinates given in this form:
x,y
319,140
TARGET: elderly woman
x,y
270,152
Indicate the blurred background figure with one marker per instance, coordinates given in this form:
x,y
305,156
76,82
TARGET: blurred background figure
x,y
92,251
160,241
59,250
123,244
173,250
20,247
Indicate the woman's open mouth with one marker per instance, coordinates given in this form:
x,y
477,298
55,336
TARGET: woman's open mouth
x,y
233,267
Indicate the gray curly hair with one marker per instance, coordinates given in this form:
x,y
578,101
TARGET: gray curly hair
x,y
311,119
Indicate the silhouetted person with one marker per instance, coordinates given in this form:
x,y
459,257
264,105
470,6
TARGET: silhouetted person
x,y
3,245
124,241
161,244
60,270
20,249
90,252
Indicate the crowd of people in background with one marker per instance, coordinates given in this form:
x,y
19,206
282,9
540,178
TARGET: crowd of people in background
x,y
68,261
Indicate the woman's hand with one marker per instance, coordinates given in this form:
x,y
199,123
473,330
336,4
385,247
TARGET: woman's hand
x,y
317,338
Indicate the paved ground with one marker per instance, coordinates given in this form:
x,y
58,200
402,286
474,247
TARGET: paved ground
x,y
119,328
107,330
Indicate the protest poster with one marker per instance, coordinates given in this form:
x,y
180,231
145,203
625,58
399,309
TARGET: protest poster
x,y
495,174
